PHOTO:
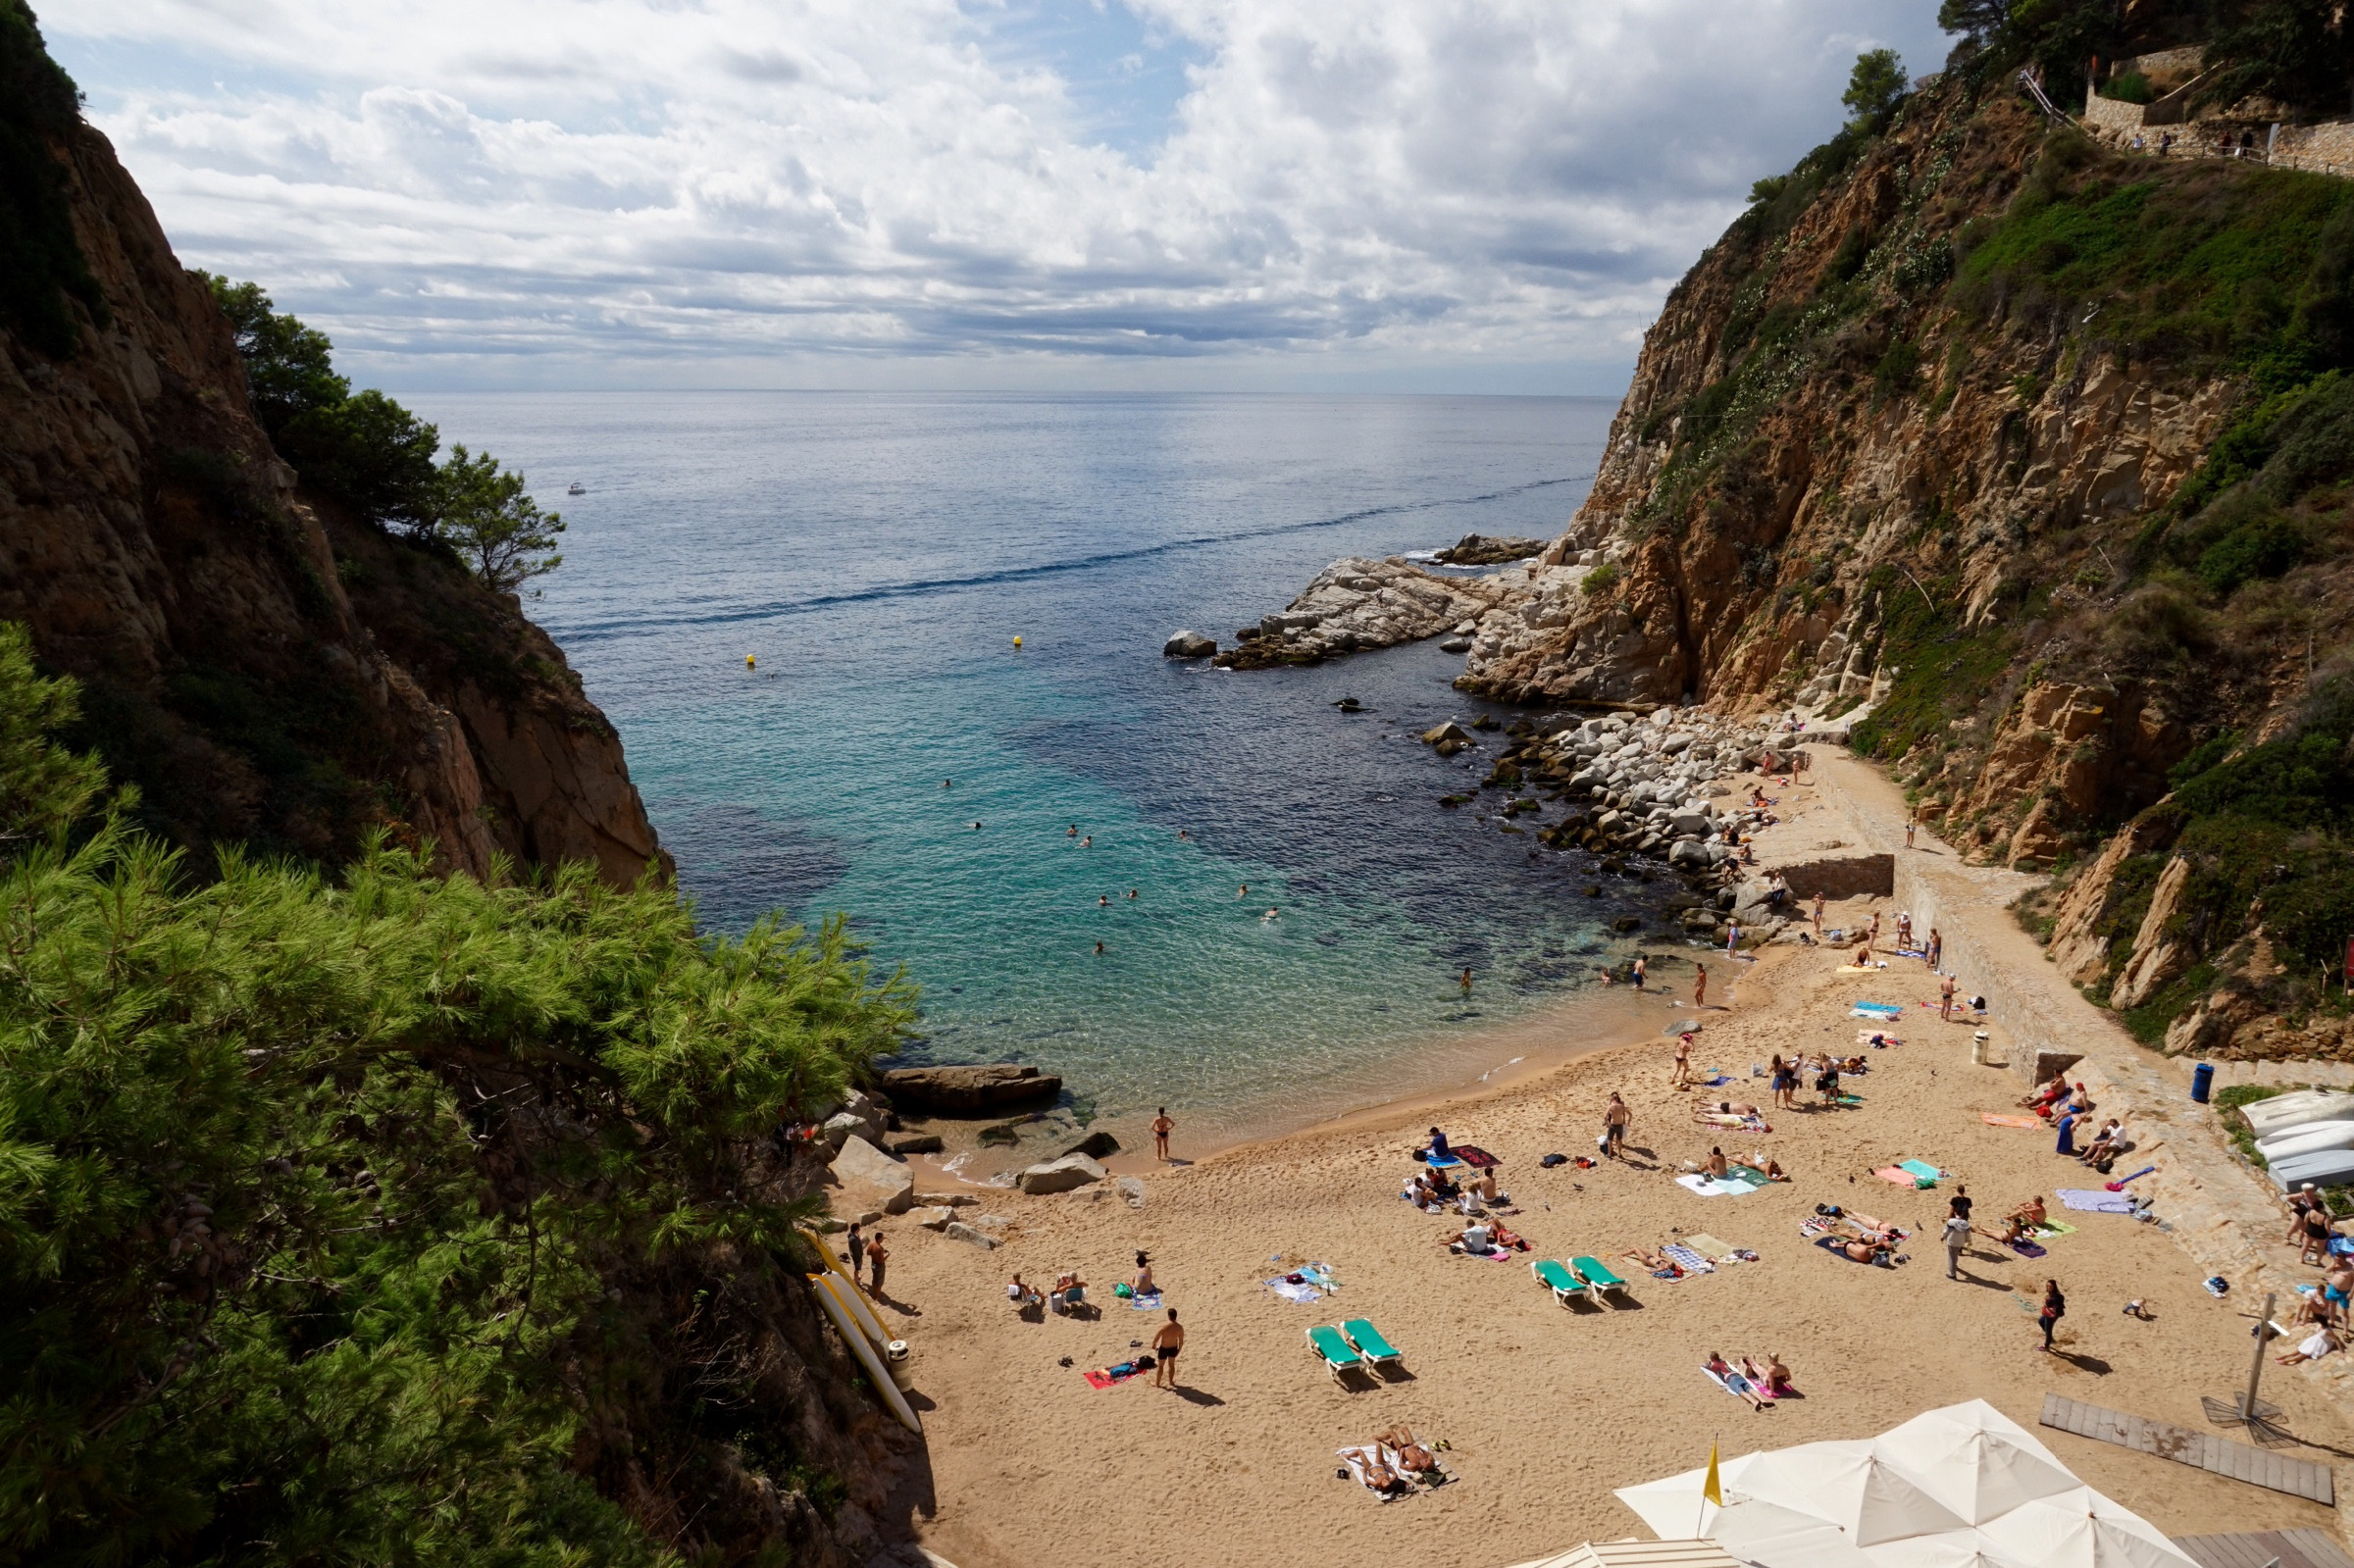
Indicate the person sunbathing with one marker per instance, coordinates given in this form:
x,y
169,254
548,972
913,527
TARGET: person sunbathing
x,y
1864,1252
1022,1294
2031,1211
1734,1381
1413,1452
1379,1476
1760,1160
1740,1108
1854,1064
1655,1261
1484,1186
1505,1237
2014,1230
1773,1378
2315,1345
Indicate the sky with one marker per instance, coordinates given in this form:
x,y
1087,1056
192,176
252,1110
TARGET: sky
x,y
1305,195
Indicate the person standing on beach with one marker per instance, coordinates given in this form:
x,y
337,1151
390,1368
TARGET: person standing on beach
x,y
1945,1000
877,1254
1957,1236
1638,971
1466,980
1165,1344
1162,1127
858,1245
1936,948
1732,937
1700,985
1615,1123
1912,826
1819,915
1682,1076
2054,1307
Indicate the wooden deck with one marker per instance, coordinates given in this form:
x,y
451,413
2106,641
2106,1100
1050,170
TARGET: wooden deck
x,y
2199,1449
2291,1549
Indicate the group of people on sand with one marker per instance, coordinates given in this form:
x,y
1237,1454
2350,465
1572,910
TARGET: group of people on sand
x,y
1070,1294
1414,1457
2069,1107
2330,1308
1759,1385
1819,1071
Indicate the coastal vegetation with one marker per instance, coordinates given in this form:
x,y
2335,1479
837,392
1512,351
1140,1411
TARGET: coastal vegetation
x,y
385,1216
376,458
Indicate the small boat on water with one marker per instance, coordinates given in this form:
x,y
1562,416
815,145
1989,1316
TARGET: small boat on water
x,y
577,489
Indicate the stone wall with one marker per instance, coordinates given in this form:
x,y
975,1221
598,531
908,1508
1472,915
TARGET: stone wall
x,y
2326,150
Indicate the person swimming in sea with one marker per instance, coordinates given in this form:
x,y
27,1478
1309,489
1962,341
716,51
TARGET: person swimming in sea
x,y
976,827
947,783
1183,835
1088,843
1099,947
1073,833
1102,902
1243,891
1270,915
1132,892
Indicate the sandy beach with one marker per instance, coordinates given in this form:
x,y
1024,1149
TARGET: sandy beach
x,y
1548,1409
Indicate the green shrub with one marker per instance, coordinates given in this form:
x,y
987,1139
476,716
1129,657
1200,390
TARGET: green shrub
x,y
2262,547
2131,87
1602,578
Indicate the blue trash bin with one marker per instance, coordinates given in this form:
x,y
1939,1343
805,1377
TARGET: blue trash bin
x,y
2202,1080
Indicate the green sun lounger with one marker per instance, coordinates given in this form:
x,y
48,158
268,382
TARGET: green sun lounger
x,y
1596,1280
1338,1357
1555,1277
1377,1352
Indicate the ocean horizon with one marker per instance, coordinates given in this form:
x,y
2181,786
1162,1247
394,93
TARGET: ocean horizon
x,y
1284,907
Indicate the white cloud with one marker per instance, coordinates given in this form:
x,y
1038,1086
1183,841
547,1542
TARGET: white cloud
x,y
865,191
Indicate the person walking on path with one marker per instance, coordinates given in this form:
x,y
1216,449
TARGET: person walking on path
x,y
1162,1127
1614,1122
1166,1343
876,1255
2054,1307
857,1250
1957,1236
1700,985
1959,1204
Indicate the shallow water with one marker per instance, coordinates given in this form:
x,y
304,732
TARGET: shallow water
x,y
878,554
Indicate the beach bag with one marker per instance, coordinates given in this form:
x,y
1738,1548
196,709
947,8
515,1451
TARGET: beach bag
x,y
1551,1160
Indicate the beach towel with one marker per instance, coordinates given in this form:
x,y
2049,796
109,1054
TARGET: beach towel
x,y
1289,1291
1447,1164
1727,1383
1150,1301
1710,1248
2077,1197
1750,1173
2026,1250
1479,1159
1992,1119
1923,1169
1877,1009
2052,1227
1707,1187
1901,1177
1686,1259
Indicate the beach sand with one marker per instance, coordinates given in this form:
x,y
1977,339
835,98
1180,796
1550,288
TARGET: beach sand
x,y
1548,1409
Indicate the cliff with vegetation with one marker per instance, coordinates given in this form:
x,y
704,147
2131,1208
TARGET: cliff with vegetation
x,y
2031,459
270,668
390,1170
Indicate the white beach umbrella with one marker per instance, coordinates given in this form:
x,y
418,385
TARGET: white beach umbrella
x,y
1975,1460
1768,1532
1954,1549
1855,1487
2081,1528
1673,1505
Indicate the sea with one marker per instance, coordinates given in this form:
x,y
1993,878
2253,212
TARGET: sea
x,y
897,658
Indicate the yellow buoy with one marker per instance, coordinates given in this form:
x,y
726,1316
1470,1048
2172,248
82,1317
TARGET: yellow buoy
x,y
747,661
1017,642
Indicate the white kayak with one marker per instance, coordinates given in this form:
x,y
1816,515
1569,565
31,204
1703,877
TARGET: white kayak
x,y
2308,1138
828,1288
2285,1111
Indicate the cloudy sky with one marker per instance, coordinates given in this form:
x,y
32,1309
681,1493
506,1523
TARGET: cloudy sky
x,y
1318,194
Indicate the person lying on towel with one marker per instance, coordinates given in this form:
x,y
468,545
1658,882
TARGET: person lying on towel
x,y
1413,1453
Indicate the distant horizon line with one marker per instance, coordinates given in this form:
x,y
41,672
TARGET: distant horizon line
x,y
398,390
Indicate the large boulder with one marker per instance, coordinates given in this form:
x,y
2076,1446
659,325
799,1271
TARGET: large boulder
x,y
1096,1146
958,1231
871,1178
1688,854
1188,645
1061,1176
1690,825
976,1087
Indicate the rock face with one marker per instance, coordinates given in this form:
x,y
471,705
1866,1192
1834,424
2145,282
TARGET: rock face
x,y
1060,1176
2158,953
1188,645
1355,604
968,1089
1477,549
870,1179
264,670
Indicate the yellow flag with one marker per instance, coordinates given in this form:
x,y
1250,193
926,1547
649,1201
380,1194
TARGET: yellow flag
x,y
1712,1489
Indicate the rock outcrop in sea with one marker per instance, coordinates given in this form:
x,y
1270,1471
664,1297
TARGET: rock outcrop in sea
x,y
1356,604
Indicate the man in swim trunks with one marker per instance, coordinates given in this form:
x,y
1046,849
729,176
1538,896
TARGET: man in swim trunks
x,y
876,1255
2337,1287
1945,999
1165,1344
1162,1127
1614,1122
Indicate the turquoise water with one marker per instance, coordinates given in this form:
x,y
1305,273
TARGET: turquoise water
x,y
879,554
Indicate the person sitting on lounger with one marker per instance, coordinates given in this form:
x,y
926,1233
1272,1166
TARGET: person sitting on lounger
x,y
1069,1291
1477,1240
1724,1374
1023,1295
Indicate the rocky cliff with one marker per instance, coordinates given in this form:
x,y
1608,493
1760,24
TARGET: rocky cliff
x,y
265,672
2023,463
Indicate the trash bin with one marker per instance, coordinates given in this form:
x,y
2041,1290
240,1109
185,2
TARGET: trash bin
x,y
2202,1081
1980,1050
895,1358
